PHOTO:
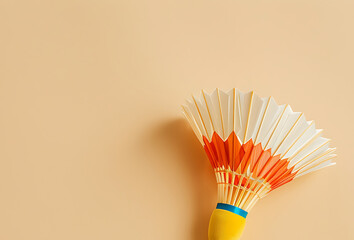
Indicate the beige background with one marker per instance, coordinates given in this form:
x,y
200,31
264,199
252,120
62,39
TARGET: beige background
x,y
92,140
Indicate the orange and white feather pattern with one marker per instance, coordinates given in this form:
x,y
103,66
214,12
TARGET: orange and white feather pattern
x,y
254,144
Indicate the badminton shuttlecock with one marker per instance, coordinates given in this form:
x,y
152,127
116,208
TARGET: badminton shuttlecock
x,y
254,146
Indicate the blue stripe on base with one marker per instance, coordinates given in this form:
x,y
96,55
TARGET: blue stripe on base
x,y
232,209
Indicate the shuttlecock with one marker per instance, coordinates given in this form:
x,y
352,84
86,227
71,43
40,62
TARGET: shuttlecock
x,y
254,146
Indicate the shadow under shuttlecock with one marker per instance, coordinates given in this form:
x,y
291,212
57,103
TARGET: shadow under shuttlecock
x,y
177,137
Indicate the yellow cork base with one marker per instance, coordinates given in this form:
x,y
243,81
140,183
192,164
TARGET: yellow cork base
x,y
225,225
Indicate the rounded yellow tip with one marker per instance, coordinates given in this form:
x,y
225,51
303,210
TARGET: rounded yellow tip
x,y
225,225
